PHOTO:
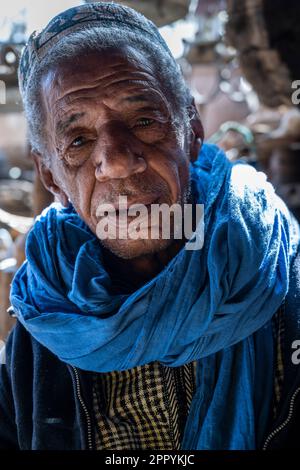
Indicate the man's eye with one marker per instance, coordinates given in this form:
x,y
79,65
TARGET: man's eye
x,y
78,142
144,122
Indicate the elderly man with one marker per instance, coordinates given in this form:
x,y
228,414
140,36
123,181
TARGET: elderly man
x,y
143,342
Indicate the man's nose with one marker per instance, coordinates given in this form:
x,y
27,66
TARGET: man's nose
x,y
117,157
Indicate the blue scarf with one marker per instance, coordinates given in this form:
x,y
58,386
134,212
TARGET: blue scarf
x,y
213,305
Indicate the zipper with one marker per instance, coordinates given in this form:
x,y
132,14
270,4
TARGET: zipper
x,y
285,423
84,407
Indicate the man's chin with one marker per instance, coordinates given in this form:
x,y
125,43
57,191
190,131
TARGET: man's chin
x,y
129,249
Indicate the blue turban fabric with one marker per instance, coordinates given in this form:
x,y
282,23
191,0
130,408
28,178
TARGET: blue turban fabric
x,y
213,305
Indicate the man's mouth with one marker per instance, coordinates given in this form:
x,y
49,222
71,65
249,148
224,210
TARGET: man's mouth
x,y
128,207
138,203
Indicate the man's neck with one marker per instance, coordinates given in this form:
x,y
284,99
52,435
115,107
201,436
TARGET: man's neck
x,y
141,269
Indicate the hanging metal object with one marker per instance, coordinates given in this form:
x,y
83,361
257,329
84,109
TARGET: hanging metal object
x,y
209,18
207,48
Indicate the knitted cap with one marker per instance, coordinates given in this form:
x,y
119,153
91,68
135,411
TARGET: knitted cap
x,y
89,15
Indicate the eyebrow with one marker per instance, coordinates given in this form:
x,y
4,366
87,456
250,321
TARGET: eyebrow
x,y
137,98
63,125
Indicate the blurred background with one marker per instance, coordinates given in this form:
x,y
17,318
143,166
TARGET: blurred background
x,y
241,61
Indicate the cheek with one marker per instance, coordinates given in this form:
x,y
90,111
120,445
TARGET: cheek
x,y
78,184
184,173
173,167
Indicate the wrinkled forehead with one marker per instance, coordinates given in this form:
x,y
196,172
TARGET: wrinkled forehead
x,y
95,68
88,63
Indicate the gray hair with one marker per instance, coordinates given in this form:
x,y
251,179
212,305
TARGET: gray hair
x,y
94,39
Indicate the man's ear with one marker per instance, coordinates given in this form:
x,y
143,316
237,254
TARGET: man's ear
x,y
197,132
47,179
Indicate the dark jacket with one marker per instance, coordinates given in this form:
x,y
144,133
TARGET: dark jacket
x,y
47,404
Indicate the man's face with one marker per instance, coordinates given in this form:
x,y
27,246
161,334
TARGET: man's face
x,y
110,133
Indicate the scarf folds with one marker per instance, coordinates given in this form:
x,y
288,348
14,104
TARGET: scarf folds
x,y
205,305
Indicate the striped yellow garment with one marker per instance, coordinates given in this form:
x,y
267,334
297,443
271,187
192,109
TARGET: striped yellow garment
x,y
278,333
143,408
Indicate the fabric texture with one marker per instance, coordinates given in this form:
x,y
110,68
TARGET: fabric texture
x,y
143,408
206,304
38,411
